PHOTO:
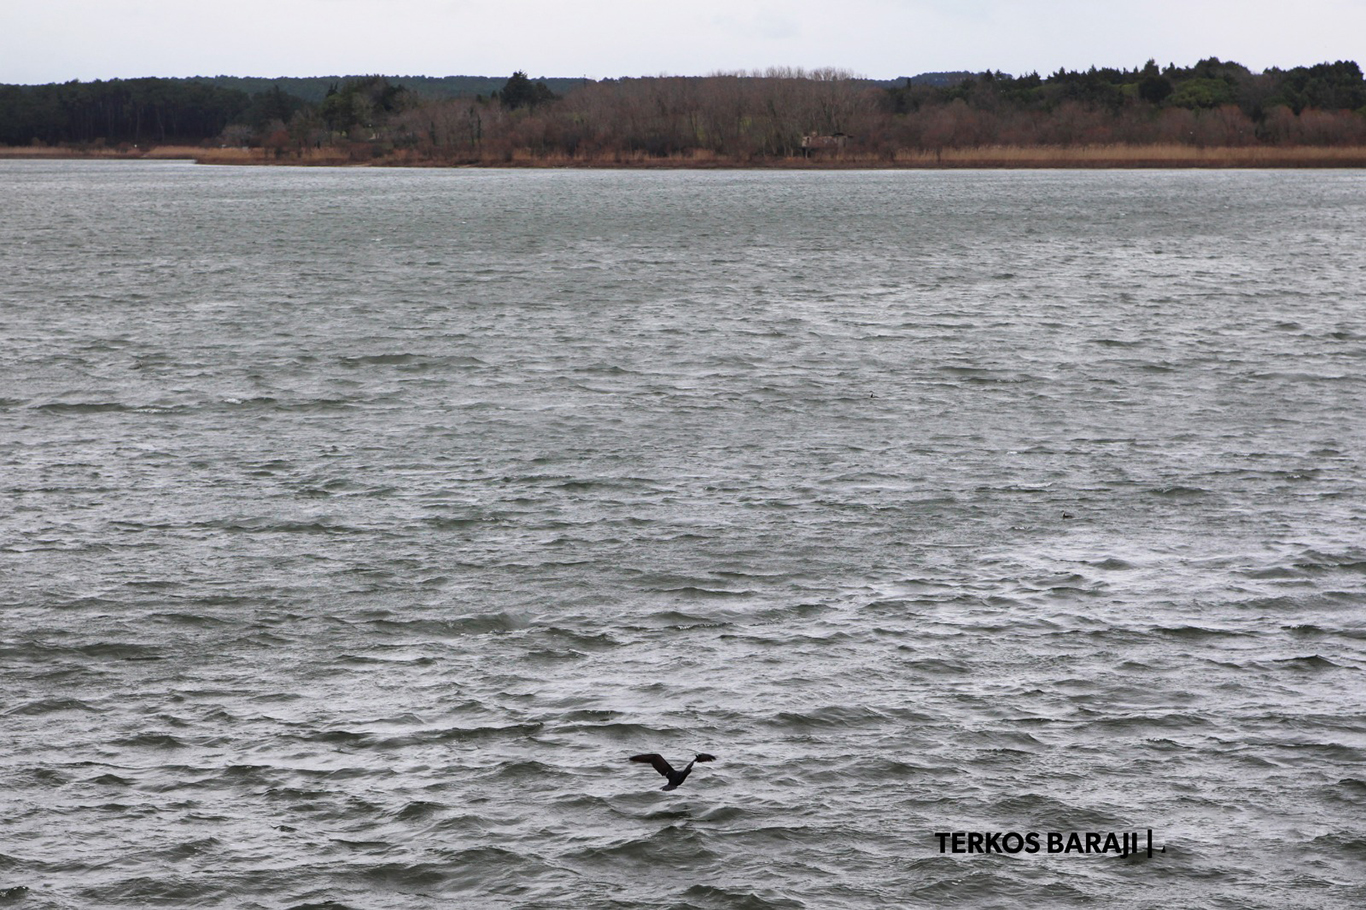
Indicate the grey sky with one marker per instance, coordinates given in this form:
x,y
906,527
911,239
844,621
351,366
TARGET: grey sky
x,y
58,40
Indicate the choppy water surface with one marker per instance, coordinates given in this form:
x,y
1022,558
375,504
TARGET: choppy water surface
x,y
356,525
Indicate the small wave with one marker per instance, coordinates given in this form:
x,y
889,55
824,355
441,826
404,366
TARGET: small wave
x,y
1065,581
342,737
1194,633
882,767
120,651
591,715
373,847
1314,561
406,875
672,844
677,619
308,405
666,813
50,706
151,740
699,592
453,734
418,810
831,716
277,526
1310,662
979,375
599,641
47,777
296,795
890,604
1329,751
1178,491
366,660
1341,844
257,775
611,730
456,522
144,889
784,615
1053,810
938,666
739,899
983,887
471,866
190,848
1256,761
1299,376
1112,564
474,624
193,620
1273,573
395,359
80,407
525,769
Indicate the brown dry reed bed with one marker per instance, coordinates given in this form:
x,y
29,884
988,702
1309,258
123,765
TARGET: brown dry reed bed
x,y
1106,156
168,152
1098,156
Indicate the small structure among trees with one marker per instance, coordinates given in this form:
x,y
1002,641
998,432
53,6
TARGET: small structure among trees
x,y
812,143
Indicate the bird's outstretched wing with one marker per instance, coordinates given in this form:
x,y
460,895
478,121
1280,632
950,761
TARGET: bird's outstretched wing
x,y
657,762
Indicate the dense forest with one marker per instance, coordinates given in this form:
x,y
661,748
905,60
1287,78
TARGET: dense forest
x,y
315,88
738,118
128,110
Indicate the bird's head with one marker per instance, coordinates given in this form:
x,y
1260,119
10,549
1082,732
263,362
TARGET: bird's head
x,y
702,756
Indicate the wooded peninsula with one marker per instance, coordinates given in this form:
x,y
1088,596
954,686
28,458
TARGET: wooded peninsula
x,y
1212,114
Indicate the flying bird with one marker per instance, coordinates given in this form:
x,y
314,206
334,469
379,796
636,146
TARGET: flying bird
x,y
676,778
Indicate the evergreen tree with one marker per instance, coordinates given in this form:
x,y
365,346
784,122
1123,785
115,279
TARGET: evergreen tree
x,y
520,91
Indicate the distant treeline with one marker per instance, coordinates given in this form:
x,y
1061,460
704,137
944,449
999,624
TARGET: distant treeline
x,y
153,110
314,89
738,117
118,111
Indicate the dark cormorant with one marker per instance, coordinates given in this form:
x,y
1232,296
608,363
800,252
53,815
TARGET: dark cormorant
x,y
676,778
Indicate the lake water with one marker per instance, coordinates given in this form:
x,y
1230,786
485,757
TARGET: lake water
x,y
357,525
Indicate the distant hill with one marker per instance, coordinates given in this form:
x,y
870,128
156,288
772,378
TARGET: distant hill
x,y
314,88
940,80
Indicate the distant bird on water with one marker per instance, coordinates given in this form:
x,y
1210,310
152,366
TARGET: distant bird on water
x,y
676,778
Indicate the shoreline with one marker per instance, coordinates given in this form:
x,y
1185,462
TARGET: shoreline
x,y
1112,157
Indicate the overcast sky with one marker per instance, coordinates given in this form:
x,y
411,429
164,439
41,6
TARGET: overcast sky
x,y
57,40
